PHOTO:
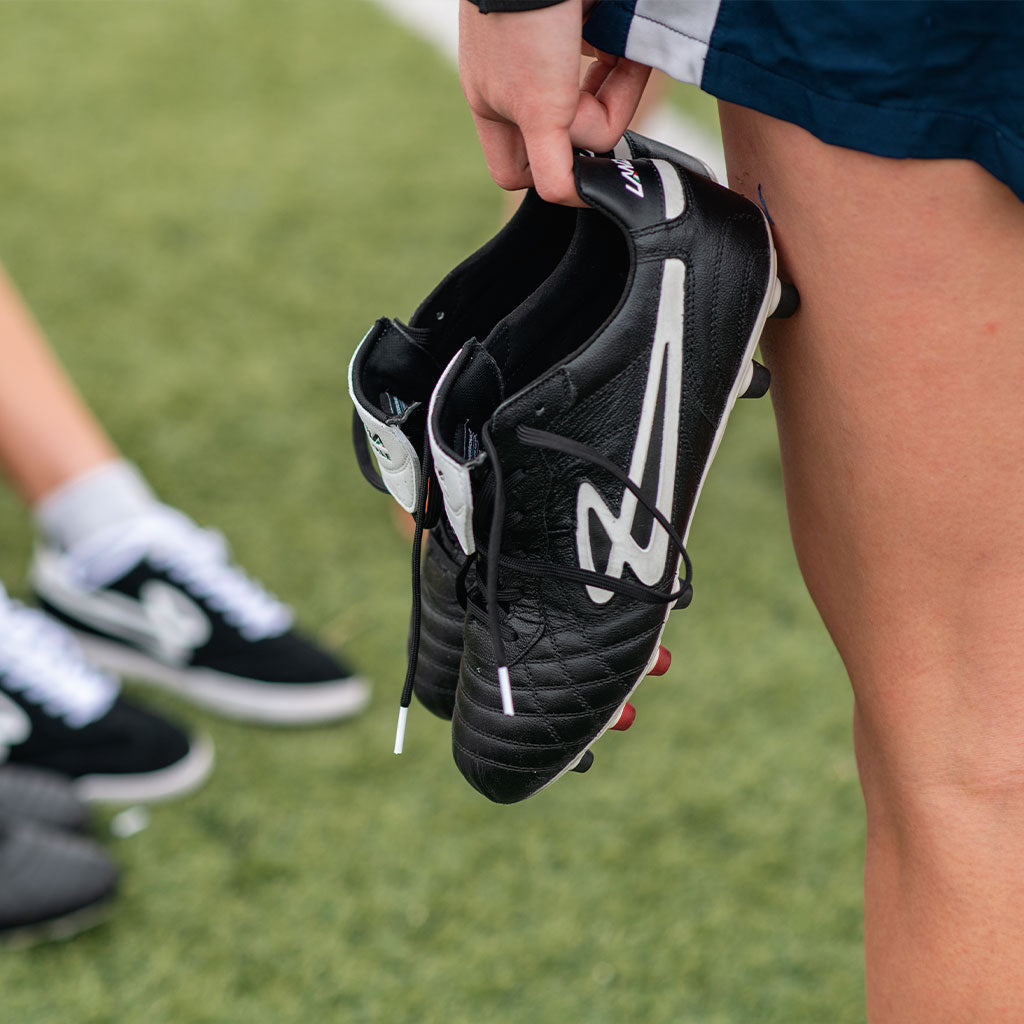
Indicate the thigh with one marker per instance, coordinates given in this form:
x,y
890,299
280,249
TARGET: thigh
x,y
898,395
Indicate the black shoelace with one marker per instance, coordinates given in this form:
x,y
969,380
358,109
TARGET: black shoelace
x,y
426,506
425,516
494,560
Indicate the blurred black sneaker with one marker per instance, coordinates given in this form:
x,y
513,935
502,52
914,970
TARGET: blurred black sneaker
x,y
158,599
59,713
393,374
52,884
42,796
571,448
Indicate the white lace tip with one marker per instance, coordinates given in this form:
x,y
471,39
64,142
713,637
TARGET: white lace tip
x,y
505,685
403,714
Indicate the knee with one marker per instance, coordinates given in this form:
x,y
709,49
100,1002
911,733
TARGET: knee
x,y
942,778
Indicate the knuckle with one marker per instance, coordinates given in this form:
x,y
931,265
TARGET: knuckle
x,y
508,181
555,192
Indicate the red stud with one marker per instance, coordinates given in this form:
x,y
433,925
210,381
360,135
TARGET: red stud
x,y
626,718
662,662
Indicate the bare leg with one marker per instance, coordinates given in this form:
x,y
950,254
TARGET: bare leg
x,y
47,434
898,393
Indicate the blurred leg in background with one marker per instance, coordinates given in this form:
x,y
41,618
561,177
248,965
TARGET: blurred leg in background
x,y
147,593
60,712
151,594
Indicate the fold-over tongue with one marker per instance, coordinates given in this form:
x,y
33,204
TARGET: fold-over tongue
x,y
469,391
397,455
636,193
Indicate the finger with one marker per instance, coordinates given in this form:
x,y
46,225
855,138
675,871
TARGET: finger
x,y
594,76
611,59
505,153
604,115
549,151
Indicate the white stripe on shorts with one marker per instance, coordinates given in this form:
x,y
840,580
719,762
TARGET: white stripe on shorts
x,y
682,50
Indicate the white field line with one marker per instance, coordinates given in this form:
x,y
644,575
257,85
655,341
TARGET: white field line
x,y
437,21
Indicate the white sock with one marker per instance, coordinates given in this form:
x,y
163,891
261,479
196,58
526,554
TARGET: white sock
x,y
104,496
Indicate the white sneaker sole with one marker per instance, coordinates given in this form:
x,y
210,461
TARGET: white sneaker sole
x,y
163,784
243,699
58,929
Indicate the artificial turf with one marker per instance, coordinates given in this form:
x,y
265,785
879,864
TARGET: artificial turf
x,y
207,202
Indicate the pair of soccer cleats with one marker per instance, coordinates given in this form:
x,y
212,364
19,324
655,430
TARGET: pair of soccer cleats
x,y
549,415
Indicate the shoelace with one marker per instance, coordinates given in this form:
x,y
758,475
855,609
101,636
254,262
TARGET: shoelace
x,y
495,560
424,508
197,558
42,661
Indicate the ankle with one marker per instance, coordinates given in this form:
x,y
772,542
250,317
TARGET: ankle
x,y
109,494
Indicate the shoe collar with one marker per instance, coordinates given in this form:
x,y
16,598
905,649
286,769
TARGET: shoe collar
x,y
636,195
397,456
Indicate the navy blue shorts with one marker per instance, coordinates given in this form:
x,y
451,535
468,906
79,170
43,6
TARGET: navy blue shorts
x,y
915,78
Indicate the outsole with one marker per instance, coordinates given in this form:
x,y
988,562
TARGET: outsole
x,y
58,929
283,704
153,787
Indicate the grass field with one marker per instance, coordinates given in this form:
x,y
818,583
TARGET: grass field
x,y
207,202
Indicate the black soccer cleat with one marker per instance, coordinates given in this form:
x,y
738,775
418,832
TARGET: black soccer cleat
x,y
571,448
392,376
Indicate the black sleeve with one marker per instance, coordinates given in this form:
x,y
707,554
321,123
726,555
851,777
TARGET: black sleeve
x,y
495,6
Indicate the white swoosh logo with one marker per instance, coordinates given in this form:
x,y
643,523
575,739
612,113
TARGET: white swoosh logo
x,y
163,621
646,561
15,725
179,625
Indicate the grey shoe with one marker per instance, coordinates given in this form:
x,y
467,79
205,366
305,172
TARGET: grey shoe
x,y
52,884
41,796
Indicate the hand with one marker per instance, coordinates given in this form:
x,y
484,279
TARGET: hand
x,y
521,75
